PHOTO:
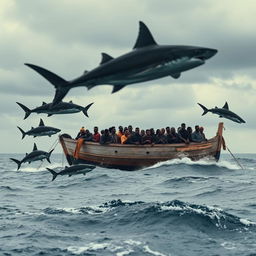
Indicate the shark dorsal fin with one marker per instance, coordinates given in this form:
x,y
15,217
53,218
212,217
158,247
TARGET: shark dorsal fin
x,y
226,106
41,123
105,58
35,147
144,38
44,103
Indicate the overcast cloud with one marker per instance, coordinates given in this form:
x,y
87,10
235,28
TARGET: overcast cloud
x,y
68,36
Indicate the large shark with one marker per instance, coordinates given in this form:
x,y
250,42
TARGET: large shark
x,y
60,108
147,61
223,112
33,156
41,130
72,170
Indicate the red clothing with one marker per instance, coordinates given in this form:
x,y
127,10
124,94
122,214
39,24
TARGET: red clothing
x,y
96,137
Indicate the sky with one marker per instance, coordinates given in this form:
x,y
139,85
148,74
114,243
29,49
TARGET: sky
x,y
68,37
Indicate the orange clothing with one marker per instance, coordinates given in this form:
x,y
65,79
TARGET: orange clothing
x,y
119,135
79,144
124,139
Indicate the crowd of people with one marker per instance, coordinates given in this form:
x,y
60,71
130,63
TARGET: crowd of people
x,y
127,135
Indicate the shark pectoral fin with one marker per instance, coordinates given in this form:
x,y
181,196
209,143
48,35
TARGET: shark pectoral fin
x,y
175,76
105,58
117,88
144,38
226,106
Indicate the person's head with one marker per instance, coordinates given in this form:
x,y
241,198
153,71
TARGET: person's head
x,y
189,129
183,126
126,133
142,132
152,131
197,128
148,132
130,128
102,132
173,130
168,130
137,130
82,129
113,130
201,129
121,128
162,131
158,132
106,132
95,129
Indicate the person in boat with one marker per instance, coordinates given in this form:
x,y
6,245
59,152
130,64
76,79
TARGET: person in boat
x,y
136,137
142,133
87,136
80,133
130,129
120,133
105,138
160,136
125,139
153,135
183,134
197,135
201,129
96,135
172,136
147,138
190,131
114,137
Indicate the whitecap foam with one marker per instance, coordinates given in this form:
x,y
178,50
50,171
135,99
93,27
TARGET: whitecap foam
x,y
40,168
203,162
228,245
148,250
247,222
127,252
90,247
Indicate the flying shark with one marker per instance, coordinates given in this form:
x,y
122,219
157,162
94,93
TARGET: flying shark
x,y
60,108
41,130
147,61
33,156
223,112
72,170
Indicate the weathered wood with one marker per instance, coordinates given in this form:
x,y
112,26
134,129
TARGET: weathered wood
x,y
130,157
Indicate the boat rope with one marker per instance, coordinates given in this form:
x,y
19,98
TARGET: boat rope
x,y
231,152
235,158
53,146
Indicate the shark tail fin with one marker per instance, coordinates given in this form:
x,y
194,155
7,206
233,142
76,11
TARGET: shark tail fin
x,y
49,155
23,133
54,174
26,109
58,82
17,162
204,109
86,109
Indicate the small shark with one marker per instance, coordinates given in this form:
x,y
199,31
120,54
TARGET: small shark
x,y
60,108
72,170
35,155
147,61
223,112
41,130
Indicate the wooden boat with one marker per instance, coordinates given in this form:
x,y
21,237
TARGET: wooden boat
x,y
134,157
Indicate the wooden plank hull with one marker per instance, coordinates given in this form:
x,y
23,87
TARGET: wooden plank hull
x,y
133,157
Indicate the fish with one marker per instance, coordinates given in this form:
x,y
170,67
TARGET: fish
x,y
147,61
223,112
72,170
60,108
33,156
41,130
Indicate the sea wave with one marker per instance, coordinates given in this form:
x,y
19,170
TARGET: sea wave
x,y
203,162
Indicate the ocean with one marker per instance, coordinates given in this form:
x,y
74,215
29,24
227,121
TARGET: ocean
x,y
177,208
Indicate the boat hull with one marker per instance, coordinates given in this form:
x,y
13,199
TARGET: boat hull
x,y
134,157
